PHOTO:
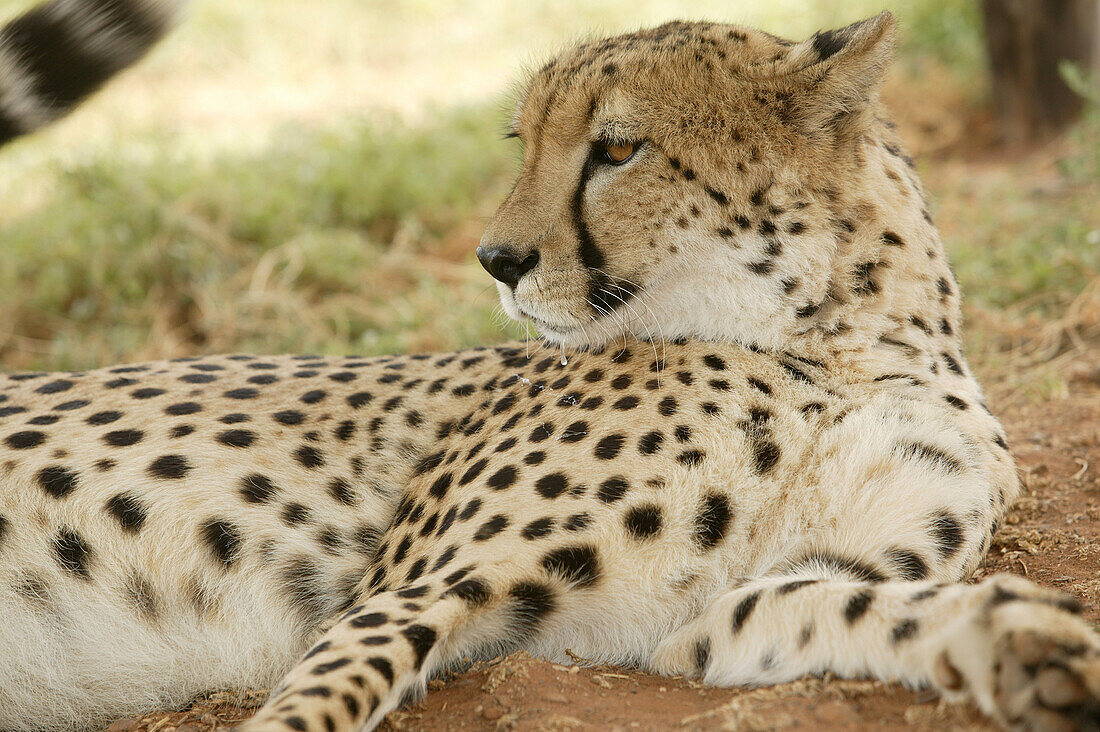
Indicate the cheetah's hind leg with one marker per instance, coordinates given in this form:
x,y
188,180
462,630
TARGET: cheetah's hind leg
x,y
1017,650
387,648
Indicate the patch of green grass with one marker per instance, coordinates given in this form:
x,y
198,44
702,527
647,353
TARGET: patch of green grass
x,y
1024,241
319,242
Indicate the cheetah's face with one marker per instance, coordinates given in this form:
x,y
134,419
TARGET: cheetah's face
x,y
670,178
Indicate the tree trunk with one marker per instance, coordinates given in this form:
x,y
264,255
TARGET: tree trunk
x,y
1027,40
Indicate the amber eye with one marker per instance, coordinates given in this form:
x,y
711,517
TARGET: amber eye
x,y
618,153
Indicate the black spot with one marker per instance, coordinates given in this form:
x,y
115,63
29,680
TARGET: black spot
x,y
146,393
931,454
198,378
103,417
473,471
289,417
345,430
72,552
626,403
441,485
309,456
909,565
257,488
474,591
538,528
313,396
952,364
613,489
667,406
712,521
175,410
691,458
236,438
341,491
552,485
129,510
609,447
355,401
807,310
503,478
182,430
8,411
169,467
847,565
904,630
421,638
223,539
470,509
579,565
650,442
577,522
411,593
858,605
383,667
57,481
759,385
531,603
324,668
720,198
644,521
491,528
795,372
743,610
44,419
55,387
790,587
542,432
947,532
765,454
25,440
368,620
702,655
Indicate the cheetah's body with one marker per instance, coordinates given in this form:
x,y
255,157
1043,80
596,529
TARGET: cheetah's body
x,y
772,487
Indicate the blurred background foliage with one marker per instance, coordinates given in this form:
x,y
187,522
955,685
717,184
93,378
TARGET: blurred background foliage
x,y
313,175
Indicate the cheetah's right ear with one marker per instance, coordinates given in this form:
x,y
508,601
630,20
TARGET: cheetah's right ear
x,y
840,71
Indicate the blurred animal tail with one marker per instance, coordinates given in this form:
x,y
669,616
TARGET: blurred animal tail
x,y
56,54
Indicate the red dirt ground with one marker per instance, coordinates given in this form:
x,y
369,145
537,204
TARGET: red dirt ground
x,y
1052,536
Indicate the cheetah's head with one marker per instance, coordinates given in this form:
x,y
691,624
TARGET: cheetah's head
x,y
687,181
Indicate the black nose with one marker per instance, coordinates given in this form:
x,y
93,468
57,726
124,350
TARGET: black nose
x,y
506,265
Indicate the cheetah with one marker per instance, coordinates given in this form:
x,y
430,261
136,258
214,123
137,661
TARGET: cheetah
x,y
750,450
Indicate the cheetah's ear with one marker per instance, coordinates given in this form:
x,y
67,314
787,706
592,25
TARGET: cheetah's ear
x,y
840,71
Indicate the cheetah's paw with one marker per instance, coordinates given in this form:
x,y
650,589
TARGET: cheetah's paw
x,y
1025,657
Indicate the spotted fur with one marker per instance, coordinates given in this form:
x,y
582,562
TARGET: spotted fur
x,y
790,473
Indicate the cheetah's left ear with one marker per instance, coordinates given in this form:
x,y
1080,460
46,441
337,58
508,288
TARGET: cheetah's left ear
x,y
840,71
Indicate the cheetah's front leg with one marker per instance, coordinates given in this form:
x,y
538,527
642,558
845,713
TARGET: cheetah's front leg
x,y
1019,651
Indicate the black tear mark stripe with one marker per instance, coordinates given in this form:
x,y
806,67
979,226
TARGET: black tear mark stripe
x,y
604,295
